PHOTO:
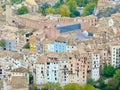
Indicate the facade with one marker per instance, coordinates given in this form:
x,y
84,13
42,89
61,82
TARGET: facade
x,y
115,56
95,66
10,45
33,45
32,5
8,13
19,79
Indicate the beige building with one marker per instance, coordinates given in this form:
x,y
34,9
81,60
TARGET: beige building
x,y
20,79
32,5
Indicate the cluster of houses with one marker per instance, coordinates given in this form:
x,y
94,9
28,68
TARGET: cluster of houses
x,y
59,49
55,53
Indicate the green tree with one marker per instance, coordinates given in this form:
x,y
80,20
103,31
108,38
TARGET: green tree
x,y
117,75
30,78
72,5
50,10
64,10
23,10
2,43
73,86
89,87
52,86
108,71
44,7
16,1
100,83
89,8
112,84
35,88
81,3
91,82
27,46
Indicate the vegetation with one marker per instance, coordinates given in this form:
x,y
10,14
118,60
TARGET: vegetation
x,y
22,10
52,86
50,10
71,86
2,43
35,88
70,7
64,10
16,1
88,10
30,78
27,46
108,71
110,79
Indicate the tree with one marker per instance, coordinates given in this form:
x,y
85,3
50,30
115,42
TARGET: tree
x,y
30,78
89,8
72,5
35,88
89,87
16,1
76,13
91,82
81,3
64,10
23,10
27,46
117,75
101,83
44,7
112,84
108,71
52,86
50,10
73,86
2,43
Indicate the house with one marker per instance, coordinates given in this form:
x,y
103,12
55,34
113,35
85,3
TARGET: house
x,y
115,56
33,44
32,5
95,73
60,44
10,43
20,79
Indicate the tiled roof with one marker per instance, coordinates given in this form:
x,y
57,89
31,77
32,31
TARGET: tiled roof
x,y
22,70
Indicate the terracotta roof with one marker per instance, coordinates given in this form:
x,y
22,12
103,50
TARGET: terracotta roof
x,y
62,39
22,70
17,56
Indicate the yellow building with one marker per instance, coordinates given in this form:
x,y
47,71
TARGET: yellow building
x,y
33,44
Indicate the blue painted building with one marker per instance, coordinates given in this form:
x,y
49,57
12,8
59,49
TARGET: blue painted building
x,y
60,45
10,45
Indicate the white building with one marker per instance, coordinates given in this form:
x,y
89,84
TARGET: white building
x,y
70,48
95,66
40,74
115,56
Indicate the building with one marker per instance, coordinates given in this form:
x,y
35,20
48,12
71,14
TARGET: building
x,y
19,79
11,43
60,44
33,44
69,28
115,56
8,13
95,73
32,5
